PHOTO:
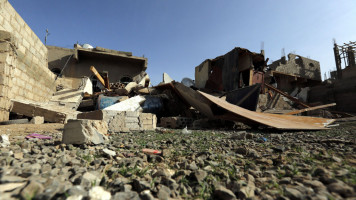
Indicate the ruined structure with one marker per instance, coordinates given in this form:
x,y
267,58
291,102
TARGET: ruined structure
x,y
23,62
345,54
236,69
341,87
297,71
120,66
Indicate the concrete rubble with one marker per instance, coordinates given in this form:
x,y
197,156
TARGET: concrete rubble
x,y
218,136
85,132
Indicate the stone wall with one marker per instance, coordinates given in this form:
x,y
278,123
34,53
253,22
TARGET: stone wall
x,y
24,73
299,66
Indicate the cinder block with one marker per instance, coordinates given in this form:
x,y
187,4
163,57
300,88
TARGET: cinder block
x,y
15,25
7,26
4,80
4,47
1,19
26,44
4,115
4,90
19,20
148,121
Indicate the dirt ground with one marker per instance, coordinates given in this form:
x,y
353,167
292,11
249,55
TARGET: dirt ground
x,y
17,131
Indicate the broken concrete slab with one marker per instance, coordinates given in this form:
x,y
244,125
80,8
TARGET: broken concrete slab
x,y
132,104
85,131
166,78
72,93
51,113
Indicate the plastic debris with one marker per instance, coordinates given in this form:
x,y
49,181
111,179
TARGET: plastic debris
x,y
152,151
186,131
262,139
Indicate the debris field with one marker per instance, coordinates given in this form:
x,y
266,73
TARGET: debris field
x,y
87,123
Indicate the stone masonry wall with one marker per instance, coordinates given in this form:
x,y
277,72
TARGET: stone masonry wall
x,y
24,73
299,66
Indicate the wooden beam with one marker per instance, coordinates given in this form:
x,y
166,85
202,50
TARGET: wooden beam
x,y
310,108
287,95
96,73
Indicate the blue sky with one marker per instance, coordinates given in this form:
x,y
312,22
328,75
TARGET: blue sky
x,y
178,35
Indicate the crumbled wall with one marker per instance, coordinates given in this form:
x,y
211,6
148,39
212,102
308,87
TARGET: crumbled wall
x,y
24,72
299,66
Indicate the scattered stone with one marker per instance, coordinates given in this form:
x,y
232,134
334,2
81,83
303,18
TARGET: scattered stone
x,y
341,188
98,193
32,189
223,193
293,193
18,155
109,152
336,159
126,196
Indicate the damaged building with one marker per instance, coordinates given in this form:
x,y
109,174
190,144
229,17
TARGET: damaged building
x,y
296,71
340,88
75,63
236,69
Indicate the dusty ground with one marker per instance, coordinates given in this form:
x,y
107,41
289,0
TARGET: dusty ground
x,y
17,131
255,164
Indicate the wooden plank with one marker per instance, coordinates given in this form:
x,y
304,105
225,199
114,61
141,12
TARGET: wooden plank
x,y
96,73
309,109
251,77
287,95
272,120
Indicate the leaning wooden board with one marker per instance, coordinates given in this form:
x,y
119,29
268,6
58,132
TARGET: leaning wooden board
x,y
273,120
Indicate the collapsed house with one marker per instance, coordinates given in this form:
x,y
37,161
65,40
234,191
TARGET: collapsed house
x,y
74,63
236,69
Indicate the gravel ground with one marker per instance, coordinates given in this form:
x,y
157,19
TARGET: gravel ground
x,y
210,164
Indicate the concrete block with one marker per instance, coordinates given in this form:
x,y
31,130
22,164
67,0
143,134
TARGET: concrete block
x,y
37,120
1,19
8,26
148,121
4,80
85,132
4,115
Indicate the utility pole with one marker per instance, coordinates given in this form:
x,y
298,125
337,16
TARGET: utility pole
x,y
47,34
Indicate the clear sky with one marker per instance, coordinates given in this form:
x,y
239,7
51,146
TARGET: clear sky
x,y
178,35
